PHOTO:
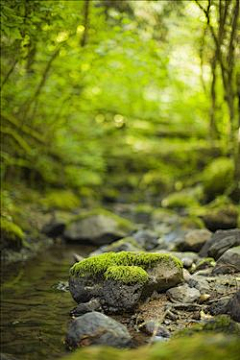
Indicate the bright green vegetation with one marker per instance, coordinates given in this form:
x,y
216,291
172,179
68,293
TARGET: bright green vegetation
x,y
179,200
119,99
199,347
61,200
11,233
99,264
126,274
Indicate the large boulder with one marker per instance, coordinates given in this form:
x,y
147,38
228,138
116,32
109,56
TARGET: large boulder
x,y
97,329
97,227
194,240
229,262
221,241
120,280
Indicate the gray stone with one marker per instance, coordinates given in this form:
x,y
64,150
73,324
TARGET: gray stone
x,y
233,307
194,240
83,308
229,262
83,289
119,297
221,241
98,229
163,276
153,327
97,329
125,244
147,239
183,294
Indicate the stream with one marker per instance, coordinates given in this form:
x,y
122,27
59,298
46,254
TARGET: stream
x,y
35,308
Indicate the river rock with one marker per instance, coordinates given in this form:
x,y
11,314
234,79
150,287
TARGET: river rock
x,y
83,308
225,218
97,329
147,239
233,307
98,228
119,297
56,225
85,288
194,240
221,241
229,262
153,327
125,244
183,294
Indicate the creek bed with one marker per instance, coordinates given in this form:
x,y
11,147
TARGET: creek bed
x,y
34,307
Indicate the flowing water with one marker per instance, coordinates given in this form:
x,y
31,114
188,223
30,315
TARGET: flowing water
x,y
35,308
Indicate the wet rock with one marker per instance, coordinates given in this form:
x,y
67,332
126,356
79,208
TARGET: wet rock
x,y
83,308
200,283
229,262
97,329
120,297
153,327
164,276
83,289
98,227
205,264
194,240
226,218
147,239
220,242
183,294
233,307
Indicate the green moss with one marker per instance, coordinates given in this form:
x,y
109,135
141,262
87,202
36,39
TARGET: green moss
x,y
180,200
11,234
127,274
61,199
219,324
218,177
204,263
98,265
122,223
201,347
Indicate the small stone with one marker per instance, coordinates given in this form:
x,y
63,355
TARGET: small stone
x,y
194,240
183,294
153,327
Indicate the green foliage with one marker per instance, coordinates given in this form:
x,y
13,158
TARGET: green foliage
x,y
98,265
126,274
218,177
60,200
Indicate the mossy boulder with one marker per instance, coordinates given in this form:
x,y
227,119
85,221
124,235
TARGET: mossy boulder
x,y
121,279
218,177
12,236
180,200
199,347
98,227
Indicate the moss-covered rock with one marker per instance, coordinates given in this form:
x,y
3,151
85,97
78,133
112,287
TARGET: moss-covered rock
x,y
120,279
12,235
126,244
218,177
60,200
98,226
180,200
201,347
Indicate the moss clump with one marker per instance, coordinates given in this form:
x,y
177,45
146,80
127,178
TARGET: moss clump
x,y
127,274
11,234
205,263
201,347
180,200
124,224
218,177
99,264
60,200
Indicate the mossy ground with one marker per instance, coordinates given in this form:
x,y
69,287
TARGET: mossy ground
x,y
199,347
98,265
60,200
